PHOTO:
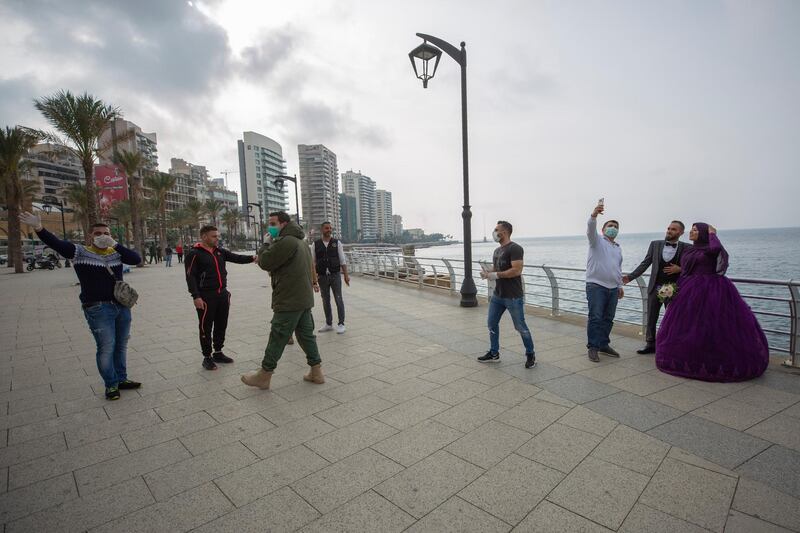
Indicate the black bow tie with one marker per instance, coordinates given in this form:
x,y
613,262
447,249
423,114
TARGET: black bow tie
x,y
674,245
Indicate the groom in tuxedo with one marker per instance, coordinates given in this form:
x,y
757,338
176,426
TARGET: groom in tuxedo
x,y
665,257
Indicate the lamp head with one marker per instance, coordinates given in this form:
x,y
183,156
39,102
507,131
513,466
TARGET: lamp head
x,y
423,54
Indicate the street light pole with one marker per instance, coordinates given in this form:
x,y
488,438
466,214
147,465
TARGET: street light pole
x,y
260,224
278,181
426,52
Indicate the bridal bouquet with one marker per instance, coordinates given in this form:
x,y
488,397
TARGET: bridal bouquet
x,y
667,292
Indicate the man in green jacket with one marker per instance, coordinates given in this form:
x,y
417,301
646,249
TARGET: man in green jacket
x,y
288,260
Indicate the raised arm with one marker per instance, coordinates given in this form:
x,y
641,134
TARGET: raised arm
x,y
591,230
64,248
128,256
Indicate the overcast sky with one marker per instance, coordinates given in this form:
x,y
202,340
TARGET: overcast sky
x,y
680,109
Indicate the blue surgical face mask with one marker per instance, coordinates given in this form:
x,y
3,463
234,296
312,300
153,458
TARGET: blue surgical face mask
x,y
274,231
611,232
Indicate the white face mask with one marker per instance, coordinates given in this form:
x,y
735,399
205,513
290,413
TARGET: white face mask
x,y
103,241
495,236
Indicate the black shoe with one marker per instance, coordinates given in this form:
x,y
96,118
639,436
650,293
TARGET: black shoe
x,y
128,384
593,357
489,357
112,393
608,350
220,357
208,363
648,348
530,360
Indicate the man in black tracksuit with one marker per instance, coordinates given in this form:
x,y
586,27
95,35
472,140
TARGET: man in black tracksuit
x,y
207,280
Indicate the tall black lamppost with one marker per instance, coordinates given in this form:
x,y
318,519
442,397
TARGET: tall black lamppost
x,y
424,53
260,224
48,202
278,181
256,239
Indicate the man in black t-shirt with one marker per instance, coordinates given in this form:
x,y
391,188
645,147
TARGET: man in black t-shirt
x,y
508,294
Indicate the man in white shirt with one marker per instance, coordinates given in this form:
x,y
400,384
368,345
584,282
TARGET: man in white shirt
x,y
603,284
329,266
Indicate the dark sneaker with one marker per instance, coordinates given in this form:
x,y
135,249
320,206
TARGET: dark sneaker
x,y
593,357
112,393
530,360
128,384
208,363
649,348
489,357
608,350
220,357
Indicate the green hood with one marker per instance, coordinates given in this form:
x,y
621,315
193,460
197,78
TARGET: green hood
x,y
292,229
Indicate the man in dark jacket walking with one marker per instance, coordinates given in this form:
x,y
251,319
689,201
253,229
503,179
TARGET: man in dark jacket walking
x,y
207,280
288,260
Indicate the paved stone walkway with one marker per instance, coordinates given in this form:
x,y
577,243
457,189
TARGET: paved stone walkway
x,y
409,432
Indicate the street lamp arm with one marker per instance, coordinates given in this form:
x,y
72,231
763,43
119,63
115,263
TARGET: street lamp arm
x,y
449,49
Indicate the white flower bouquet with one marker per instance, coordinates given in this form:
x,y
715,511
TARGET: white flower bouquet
x,y
667,292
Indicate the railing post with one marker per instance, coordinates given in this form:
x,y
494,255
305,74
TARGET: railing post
x,y
418,268
452,274
794,340
394,266
377,267
643,292
554,295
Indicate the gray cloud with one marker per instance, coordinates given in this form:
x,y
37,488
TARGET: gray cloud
x,y
316,121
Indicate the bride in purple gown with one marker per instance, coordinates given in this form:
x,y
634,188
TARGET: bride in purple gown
x,y
709,332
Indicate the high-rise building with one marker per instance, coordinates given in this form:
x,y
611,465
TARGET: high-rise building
x,y
383,213
319,187
362,188
260,161
54,168
190,183
125,135
349,218
397,225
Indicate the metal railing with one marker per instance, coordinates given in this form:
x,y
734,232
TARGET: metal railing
x,y
562,290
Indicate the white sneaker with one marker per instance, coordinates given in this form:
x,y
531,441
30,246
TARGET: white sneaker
x,y
326,327
340,329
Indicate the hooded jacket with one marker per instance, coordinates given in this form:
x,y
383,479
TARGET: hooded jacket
x,y
288,261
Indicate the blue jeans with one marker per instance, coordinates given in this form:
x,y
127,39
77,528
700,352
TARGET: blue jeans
x,y
110,323
602,308
168,260
516,308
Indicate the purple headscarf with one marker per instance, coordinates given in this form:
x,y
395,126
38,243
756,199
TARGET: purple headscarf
x,y
703,242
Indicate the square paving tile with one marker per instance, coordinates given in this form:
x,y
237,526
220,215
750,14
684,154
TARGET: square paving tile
x,y
335,485
578,389
713,442
560,447
488,444
367,512
457,391
633,450
348,440
412,412
512,488
780,429
691,493
766,398
600,491
742,523
778,467
541,372
457,516
470,414
550,518
532,415
510,393
757,499
644,384
424,486
417,442
634,411
580,417
734,414
684,397
643,518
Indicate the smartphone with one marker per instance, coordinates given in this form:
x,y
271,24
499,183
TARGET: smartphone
x,y
601,201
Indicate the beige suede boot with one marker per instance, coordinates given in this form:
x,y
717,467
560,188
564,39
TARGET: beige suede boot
x,y
260,378
315,376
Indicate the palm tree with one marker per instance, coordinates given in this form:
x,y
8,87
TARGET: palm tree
x,y
161,184
81,120
121,210
182,220
133,163
231,219
213,208
79,200
14,145
196,210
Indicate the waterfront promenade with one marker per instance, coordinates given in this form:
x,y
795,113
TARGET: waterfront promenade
x,y
408,433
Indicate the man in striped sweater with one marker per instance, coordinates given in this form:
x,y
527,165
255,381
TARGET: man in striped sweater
x,y
109,321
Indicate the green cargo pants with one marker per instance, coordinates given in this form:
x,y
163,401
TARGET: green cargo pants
x,y
282,325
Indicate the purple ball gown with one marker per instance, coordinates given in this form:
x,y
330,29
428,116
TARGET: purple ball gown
x,y
709,332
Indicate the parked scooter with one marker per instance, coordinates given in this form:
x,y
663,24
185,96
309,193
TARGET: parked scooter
x,y
40,263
